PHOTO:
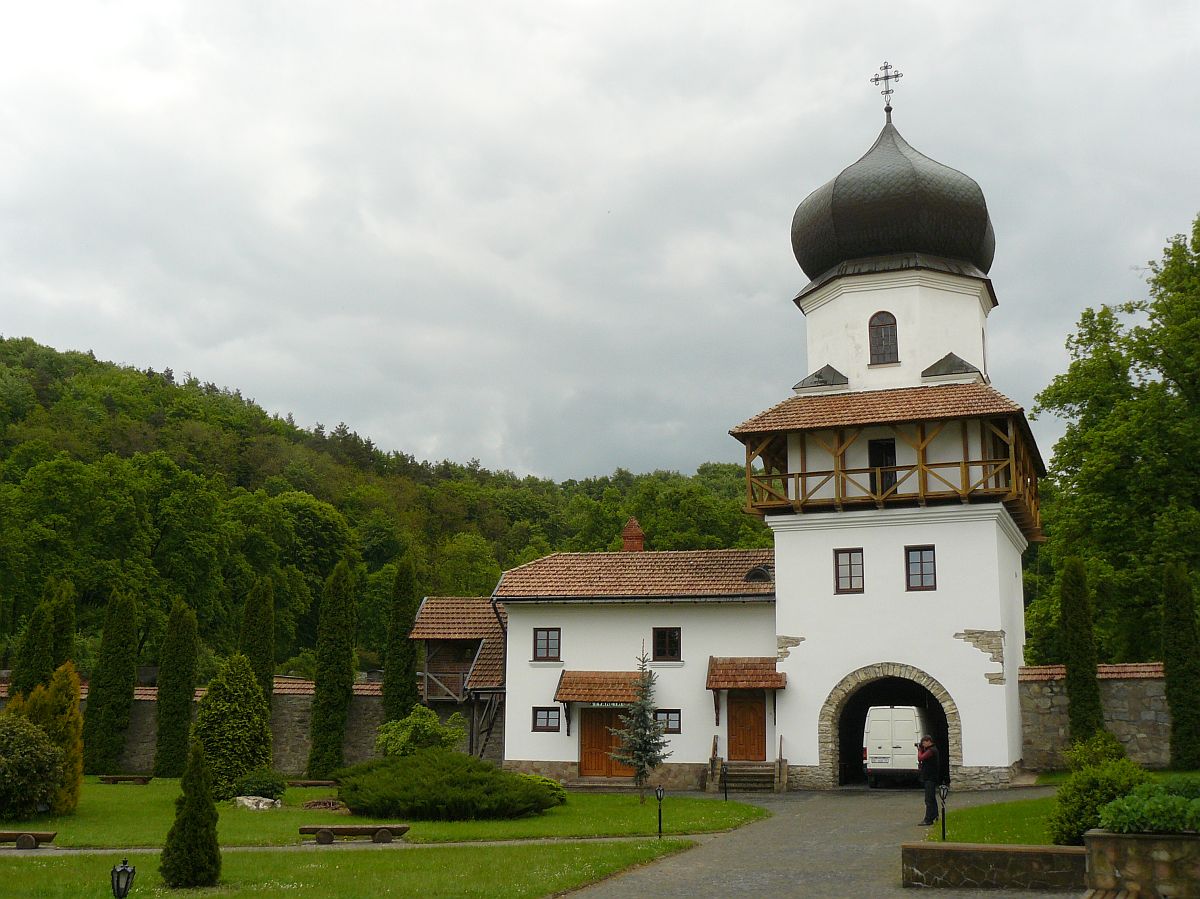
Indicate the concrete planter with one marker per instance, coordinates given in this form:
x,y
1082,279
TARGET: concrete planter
x,y
1148,865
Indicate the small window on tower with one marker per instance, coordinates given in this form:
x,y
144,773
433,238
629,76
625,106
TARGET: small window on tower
x,y
546,642
668,644
920,570
883,338
848,570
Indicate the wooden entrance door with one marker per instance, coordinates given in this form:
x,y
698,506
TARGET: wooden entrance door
x,y
596,741
747,714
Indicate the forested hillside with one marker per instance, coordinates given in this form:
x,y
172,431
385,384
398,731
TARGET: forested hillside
x,y
116,478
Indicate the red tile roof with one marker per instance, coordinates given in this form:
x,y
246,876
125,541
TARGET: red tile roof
x,y
596,686
1124,671
746,673
903,404
284,686
689,574
467,618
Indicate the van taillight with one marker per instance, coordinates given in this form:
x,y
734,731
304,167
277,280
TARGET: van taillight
x,y
864,753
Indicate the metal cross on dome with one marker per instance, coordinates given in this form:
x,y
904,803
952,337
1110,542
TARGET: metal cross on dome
x,y
885,79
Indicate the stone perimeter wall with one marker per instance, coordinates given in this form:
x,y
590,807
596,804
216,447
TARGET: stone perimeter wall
x,y
1149,865
1135,712
979,867
670,775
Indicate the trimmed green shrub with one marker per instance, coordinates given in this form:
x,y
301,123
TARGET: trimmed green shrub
x,y
258,634
1085,792
176,691
1101,747
264,782
421,729
557,790
440,785
55,709
1078,640
1181,666
29,767
110,691
1186,785
1151,811
335,672
232,725
191,856
400,692
34,659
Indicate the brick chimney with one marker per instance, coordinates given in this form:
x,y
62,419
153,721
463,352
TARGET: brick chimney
x,y
633,538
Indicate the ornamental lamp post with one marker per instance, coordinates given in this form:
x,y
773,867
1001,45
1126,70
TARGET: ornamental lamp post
x,y
659,792
943,792
122,878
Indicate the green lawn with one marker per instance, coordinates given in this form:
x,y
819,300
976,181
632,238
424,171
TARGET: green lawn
x,y
128,816
484,871
1021,822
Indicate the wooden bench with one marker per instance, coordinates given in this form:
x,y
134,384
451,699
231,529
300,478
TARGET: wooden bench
x,y
141,779
29,839
379,833
312,783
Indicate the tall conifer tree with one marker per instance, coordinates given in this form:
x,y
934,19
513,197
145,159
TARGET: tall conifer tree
x,y
176,690
110,692
643,746
62,609
258,635
191,857
335,672
1181,664
34,661
55,709
1078,641
400,692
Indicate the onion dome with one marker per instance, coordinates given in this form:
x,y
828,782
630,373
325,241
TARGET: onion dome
x,y
893,201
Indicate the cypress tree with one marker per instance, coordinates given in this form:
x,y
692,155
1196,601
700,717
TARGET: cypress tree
x,y
1078,641
191,856
55,709
176,690
1181,666
643,746
232,724
62,608
110,692
258,634
335,672
34,662
400,692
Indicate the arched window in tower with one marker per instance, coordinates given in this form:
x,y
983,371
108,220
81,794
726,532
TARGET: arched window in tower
x,y
883,338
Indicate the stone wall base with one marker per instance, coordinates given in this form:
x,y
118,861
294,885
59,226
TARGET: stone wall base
x,y
962,777
976,866
672,776
1148,865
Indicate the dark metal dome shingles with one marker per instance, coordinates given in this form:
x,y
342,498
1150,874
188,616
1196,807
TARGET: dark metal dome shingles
x,y
893,200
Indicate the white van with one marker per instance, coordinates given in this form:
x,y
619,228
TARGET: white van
x,y
890,738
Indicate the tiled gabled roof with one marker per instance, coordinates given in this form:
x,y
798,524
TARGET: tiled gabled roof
x,y
467,618
596,686
876,407
745,673
284,686
1123,671
688,574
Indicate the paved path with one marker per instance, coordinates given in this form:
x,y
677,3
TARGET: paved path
x,y
840,844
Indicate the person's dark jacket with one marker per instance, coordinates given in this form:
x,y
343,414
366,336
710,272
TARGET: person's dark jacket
x,y
927,760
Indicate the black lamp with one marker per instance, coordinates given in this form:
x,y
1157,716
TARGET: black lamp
x,y
659,793
122,878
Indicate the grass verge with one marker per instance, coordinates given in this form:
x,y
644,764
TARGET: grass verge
x,y
1020,822
467,871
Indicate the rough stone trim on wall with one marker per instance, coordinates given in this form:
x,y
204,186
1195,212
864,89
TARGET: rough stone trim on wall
x,y
825,774
670,775
976,866
785,645
991,642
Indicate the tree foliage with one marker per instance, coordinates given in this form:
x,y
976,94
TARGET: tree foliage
x,y
400,692
29,767
1181,664
335,672
643,747
420,729
1086,717
34,662
1131,401
110,691
55,709
191,856
176,692
258,634
233,724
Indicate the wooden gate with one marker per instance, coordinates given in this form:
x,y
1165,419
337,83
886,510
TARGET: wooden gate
x,y
747,714
596,741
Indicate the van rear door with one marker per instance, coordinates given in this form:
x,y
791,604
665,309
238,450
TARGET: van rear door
x,y
905,735
879,738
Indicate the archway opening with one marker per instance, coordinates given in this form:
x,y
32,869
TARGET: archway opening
x,y
884,691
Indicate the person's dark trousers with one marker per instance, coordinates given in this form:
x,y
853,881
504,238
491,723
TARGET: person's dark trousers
x,y
931,811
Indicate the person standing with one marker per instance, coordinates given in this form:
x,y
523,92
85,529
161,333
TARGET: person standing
x,y
928,768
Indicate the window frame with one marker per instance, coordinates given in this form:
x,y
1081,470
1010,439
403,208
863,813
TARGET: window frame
x,y
877,343
547,657
678,656
837,572
548,711
664,716
932,573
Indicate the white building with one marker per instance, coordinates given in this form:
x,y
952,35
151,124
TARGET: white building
x,y
902,491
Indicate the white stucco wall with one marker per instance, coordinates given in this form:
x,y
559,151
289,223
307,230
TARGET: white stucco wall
x,y
608,637
978,550
936,314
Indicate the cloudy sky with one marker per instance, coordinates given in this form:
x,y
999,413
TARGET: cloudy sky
x,y
553,236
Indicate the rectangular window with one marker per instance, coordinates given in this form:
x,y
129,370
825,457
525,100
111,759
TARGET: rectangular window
x,y
920,572
546,644
670,720
848,570
546,719
667,644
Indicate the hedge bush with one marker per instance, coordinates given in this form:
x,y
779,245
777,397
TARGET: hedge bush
x,y
420,729
1101,747
440,785
557,790
30,766
1152,811
55,709
1085,792
264,782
